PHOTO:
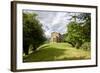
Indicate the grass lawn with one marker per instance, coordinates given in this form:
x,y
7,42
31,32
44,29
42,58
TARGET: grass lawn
x,y
55,52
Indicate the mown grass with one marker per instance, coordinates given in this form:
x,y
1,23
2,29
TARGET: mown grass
x,y
56,52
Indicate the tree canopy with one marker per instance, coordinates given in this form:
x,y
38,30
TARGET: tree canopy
x,y
32,31
79,31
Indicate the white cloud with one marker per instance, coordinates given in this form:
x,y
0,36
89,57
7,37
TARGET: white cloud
x,y
53,21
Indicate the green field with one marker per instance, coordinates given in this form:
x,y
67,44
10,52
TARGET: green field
x,y
56,52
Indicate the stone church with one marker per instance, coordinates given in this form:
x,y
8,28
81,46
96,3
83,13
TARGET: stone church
x,y
55,37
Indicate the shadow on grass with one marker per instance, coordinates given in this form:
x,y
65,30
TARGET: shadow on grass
x,y
46,53
56,52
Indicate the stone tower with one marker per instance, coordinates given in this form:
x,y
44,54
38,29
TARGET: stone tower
x,y
55,37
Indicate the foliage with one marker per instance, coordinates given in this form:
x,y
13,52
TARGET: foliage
x,y
79,31
74,35
86,26
32,32
86,46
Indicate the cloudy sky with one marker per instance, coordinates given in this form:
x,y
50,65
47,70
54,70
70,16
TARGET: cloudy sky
x,y
52,21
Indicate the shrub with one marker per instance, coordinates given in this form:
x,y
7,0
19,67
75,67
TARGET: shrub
x,y
86,46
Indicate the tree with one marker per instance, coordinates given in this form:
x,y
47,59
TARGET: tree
x,y
79,31
74,35
86,18
32,32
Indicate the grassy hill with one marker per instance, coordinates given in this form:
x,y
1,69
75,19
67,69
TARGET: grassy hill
x,y
55,52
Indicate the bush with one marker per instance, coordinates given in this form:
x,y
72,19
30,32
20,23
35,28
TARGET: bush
x,y
86,46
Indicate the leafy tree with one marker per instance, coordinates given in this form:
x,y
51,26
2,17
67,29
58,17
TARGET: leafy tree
x,y
78,31
74,35
32,32
86,18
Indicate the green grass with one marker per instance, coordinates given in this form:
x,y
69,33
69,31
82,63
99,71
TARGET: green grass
x,y
56,52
